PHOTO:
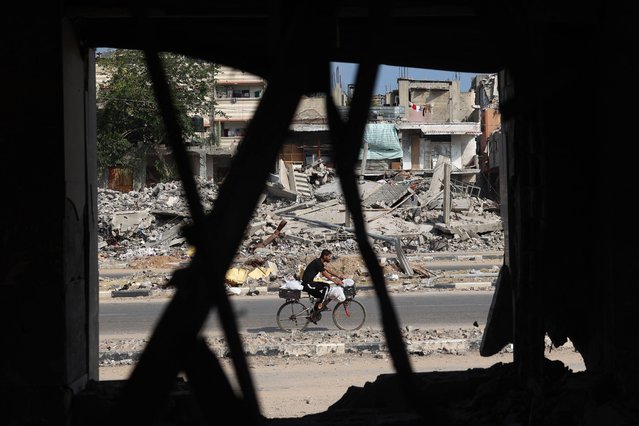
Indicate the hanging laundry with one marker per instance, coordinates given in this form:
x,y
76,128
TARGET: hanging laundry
x,y
415,107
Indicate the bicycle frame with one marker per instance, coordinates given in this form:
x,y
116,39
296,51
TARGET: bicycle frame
x,y
294,314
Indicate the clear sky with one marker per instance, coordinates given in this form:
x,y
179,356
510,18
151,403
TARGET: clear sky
x,y
387,76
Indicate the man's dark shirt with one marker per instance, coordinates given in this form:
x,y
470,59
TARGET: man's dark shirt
x,y
312,270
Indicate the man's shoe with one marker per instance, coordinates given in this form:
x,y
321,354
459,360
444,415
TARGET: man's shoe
x,y
310,318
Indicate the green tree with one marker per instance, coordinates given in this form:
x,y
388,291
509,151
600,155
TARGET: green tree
x,y
129,124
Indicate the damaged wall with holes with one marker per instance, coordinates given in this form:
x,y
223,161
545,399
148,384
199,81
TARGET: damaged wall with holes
x,y
567,271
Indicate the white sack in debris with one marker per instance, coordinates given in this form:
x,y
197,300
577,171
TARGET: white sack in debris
x,y
233,291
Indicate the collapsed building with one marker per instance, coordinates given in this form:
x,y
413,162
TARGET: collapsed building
x,y
405,217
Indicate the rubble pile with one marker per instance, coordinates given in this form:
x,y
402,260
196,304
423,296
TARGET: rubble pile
x,y
403,215
318,174
147,222
418,342
126,351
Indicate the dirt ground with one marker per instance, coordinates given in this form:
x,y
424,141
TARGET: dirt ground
x,y
290,387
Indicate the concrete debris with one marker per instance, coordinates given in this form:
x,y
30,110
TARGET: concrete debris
x,y
386,195
318,174
123,351
428,342
130,293
400,215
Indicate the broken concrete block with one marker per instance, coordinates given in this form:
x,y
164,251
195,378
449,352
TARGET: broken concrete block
x,y
130,293
131,220
295,207
272,266
254,227
176,242
298,239
461,204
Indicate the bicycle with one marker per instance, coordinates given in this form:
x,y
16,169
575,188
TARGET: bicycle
x,y
348,315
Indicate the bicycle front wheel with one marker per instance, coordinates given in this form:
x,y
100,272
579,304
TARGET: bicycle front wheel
x,y
349,315
292,316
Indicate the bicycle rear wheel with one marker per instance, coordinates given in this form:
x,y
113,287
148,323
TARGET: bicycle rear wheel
x,y
349,315
292,316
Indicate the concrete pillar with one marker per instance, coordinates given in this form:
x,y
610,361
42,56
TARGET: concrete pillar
x,y
49,274
363,163
447,198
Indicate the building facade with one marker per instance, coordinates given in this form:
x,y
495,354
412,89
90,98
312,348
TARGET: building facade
x,y
409,129
490,140
237,95
439,120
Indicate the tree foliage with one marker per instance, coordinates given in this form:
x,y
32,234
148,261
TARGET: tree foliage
x,y
129,124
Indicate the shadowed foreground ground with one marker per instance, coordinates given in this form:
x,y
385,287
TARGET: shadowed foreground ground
x,y
362,384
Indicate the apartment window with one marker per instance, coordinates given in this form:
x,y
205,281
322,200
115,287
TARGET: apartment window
x,y
241,93
233,132
198,123
224,92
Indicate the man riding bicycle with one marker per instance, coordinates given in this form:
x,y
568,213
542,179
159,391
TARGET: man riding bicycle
x,y
321,290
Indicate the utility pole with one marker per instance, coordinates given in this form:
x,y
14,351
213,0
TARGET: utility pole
x,y
447,203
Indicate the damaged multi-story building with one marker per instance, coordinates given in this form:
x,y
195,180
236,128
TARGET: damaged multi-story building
x,y
237,95
487,99
216,136
439,120
417,123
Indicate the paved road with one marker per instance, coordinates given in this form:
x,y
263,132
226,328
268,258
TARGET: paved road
x,y
424,310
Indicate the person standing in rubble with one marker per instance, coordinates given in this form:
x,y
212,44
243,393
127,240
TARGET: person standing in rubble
x,y
319,289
